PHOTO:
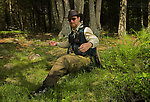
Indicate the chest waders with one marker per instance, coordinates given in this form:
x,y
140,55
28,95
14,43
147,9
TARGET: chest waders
x,y
75,40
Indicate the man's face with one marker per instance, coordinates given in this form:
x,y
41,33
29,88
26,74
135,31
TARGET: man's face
x,y
74,21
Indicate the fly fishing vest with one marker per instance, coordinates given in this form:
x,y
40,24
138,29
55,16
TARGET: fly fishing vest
x,y
75,40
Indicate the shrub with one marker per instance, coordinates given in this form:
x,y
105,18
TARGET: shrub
x,y
131,59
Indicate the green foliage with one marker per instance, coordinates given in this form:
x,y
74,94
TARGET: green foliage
x,y
13,32
133,86
131,58
14,92
125,77
130,53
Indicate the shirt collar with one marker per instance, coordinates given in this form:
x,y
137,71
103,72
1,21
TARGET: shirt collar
x,y
78,27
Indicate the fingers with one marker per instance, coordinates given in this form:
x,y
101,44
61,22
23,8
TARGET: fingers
x,y
52,43
82,48
85,46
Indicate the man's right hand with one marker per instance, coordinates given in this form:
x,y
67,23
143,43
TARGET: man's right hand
x,y
53,43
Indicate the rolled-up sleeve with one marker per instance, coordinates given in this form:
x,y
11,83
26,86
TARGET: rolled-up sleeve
x,y
63,44
90,37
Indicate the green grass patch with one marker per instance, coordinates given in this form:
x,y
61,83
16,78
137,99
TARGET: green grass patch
x,y
12,32
24,66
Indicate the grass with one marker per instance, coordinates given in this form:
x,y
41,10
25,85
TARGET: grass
x,y
12,32
24,64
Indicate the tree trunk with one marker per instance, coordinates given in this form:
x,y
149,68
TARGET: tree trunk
x,y
60,10
49,16
98,13
79,5
7,15
122,20
142,19
65,25
44,20
56,23
2,15
43,16
37,17
149,14
10,13
93,21
79,8
14,14
18,18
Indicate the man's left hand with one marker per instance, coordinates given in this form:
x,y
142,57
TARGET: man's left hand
x,y
85,46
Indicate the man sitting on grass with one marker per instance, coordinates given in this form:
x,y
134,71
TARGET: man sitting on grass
x,y
81,46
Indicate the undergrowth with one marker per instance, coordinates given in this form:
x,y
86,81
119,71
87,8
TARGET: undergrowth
x,y
124,78
131,59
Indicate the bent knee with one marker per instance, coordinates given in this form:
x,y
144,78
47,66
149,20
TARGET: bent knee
x,y
66,57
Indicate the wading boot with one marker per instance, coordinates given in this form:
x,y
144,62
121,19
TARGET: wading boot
x,y
38,92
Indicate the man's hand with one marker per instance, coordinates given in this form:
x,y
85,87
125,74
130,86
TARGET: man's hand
x,y
85,46
53,43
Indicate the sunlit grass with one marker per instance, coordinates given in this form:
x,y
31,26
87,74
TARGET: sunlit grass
x,y
12,32
23,68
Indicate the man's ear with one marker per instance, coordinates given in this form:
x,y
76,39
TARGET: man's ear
x,y
79,18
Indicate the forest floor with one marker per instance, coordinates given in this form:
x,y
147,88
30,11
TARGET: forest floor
x,y
24,64
11,46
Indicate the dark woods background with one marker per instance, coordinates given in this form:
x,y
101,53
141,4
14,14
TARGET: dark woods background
x,y
110,14
49,15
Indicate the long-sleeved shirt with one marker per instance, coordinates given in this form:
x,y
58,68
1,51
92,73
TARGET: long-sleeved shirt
x,y
89,36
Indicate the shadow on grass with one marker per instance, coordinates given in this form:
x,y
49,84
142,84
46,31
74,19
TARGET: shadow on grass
x,y
7,53
1,97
